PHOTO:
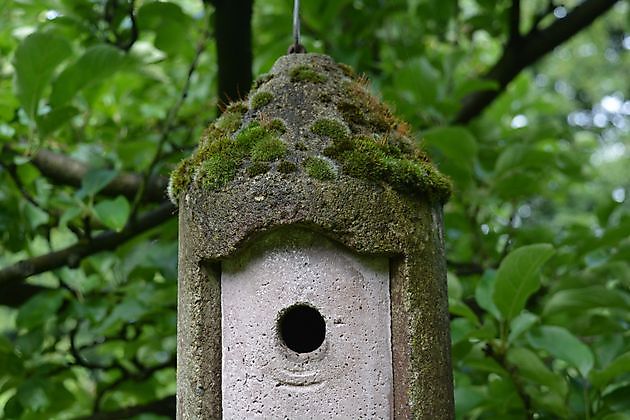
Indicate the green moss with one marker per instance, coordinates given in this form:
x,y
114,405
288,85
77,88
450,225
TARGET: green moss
x,y
329,128
180,179
306,74
319,168
257,168
216,171
219,156
251,135
261,80
238,107
363,110
268,150
347,70
261,99
277,126
377,159
286,167
229,122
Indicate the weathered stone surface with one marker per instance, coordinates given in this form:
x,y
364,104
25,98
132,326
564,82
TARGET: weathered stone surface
x,y
348,374
378,216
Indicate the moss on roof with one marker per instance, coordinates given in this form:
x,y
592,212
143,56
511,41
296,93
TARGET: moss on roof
x,y
314,118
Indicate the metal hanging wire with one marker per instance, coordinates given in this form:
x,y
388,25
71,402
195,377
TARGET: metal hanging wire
x,y
296,47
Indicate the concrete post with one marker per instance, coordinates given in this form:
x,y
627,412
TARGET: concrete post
x,y
311,270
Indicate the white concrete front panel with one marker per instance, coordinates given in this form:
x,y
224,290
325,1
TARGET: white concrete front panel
x,y
348,376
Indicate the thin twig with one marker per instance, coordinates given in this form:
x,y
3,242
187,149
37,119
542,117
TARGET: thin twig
x,y
168,124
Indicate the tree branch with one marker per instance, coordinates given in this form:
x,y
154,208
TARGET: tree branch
x,y
14,295
61,169
533,46
72,255
233,34
515,22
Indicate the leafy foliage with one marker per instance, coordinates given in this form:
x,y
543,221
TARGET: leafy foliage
x,y
537,230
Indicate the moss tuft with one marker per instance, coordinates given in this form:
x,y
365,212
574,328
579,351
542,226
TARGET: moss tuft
x,y
347,70
277,126
257,168
239,107
379,159
216,171
306,74
286,167
251,135
268,149
261,80
229,122
319,168
363,110
330,128
261,99
180,179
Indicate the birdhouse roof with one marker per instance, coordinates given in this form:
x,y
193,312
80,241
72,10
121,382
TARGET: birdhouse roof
x,y
309,117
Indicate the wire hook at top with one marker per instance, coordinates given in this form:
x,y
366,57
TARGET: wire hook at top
x,y
296,47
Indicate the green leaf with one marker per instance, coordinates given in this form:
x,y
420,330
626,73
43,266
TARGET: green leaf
x,y
113,213
459,308
560,343
96,64
485,291
454,150
35,61
95,180
586,298
51,121
467,398
530,367
619,366
517,278
520,324
39,308
32,394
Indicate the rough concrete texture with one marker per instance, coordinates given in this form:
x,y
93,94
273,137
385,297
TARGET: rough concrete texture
x,y
366,216
349,375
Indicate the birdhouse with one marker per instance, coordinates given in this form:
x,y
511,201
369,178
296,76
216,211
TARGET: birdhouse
x,y
311,270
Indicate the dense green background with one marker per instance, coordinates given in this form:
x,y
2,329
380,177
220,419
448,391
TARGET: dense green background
x,y
537,232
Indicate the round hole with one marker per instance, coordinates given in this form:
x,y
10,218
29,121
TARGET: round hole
x,y
302,328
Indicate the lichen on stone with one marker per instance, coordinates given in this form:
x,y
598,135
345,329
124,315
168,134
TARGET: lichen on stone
x,y
261,99
305,73
319,168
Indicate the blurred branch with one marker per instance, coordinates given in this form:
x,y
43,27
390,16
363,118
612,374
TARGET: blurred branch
x,y
64,170
161,407
515,22
72,255
465,268
14,294
233,34
499,357
532,47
